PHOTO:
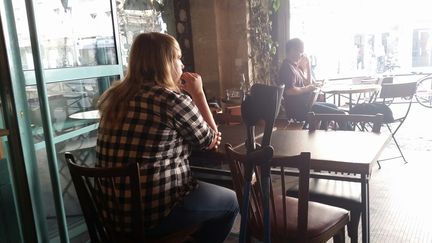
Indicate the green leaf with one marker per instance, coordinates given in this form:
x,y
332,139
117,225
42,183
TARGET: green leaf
x,y
276,5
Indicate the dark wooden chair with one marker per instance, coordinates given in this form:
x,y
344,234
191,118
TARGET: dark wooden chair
x,y
103,227
292,219
260,107
327,187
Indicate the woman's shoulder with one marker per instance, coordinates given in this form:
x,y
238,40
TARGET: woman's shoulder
x,y
163,94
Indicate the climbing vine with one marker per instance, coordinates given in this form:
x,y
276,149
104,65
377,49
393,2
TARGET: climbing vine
x,y
262,46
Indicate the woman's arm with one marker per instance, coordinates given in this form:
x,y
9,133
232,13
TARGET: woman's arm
x,y
193,85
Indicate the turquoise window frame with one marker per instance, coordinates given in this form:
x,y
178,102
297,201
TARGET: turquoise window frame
x,y
23,78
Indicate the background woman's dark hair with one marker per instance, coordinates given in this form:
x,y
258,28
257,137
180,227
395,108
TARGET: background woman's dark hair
x,y
294,44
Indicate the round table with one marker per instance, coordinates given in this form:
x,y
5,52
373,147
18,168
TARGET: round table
x,y
86,115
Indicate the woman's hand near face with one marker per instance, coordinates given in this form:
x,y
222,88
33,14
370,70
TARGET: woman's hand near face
x,y
191,83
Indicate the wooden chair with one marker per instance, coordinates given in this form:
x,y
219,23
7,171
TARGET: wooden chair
x,y
261,106
102,228
292,219
326,188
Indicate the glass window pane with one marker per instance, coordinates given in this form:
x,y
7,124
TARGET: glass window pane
x,y
367,39
135,17
72,33
65,99
83,149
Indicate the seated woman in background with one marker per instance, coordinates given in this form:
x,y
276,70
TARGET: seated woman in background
x,y
146,118
295,73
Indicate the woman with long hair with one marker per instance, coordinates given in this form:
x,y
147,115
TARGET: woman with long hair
x,y
148,119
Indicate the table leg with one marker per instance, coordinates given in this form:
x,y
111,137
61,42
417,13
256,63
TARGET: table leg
x,y
350,101
365,205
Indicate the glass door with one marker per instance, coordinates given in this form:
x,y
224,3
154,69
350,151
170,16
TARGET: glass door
x,y
76,59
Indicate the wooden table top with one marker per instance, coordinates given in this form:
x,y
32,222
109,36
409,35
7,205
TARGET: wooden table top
x,y
344,151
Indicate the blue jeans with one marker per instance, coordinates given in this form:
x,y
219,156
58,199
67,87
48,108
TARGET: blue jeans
x,y
213,207
326,108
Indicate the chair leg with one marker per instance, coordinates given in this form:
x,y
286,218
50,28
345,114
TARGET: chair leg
x,y
400,150
340,236
353,225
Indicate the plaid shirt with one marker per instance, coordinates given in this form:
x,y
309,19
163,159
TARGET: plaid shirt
x,y
159,130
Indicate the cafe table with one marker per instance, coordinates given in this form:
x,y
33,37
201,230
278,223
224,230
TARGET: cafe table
x,y
349,89
339,151
86,115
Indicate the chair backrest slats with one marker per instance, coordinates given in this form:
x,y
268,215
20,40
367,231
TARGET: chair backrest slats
x,y
261,105
279,210
98,196
395,90
317,121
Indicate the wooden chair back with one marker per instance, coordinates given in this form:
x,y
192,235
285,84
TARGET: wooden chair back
x,y
281,230
88,184
100,217
317,121
261,105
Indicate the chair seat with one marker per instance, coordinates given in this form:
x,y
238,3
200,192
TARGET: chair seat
x,y
342,194
323,220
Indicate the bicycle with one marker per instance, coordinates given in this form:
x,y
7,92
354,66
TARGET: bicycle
x,y
423,94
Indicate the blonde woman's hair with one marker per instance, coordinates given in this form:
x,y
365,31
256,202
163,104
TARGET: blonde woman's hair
x,y
151,60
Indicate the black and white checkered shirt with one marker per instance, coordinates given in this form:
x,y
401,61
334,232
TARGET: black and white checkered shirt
x,y
159,130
